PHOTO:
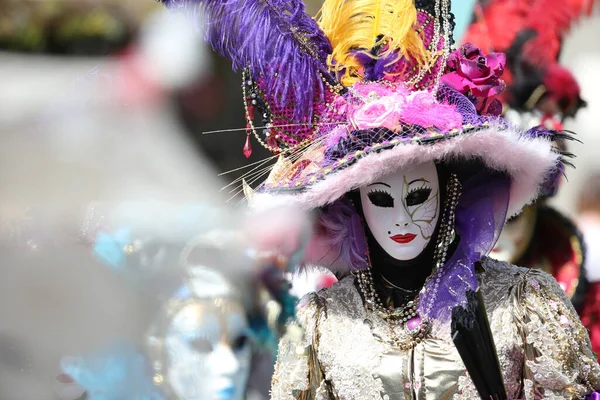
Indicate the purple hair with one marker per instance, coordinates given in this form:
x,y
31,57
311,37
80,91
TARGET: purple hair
x,y
343,233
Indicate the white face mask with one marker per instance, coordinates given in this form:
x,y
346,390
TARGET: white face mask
x,y
402,210
209,351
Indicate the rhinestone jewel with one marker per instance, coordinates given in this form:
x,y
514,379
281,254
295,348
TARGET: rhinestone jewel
x,y
414,324
247,150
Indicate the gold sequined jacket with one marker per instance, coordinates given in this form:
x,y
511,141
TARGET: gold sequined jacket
x,y
543,349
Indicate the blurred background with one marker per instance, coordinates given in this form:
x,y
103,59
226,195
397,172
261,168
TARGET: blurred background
x,y
102,102
84,29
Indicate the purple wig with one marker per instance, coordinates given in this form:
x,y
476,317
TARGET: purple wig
x,y
343,233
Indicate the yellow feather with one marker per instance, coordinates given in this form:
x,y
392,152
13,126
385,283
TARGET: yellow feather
x,y
354,25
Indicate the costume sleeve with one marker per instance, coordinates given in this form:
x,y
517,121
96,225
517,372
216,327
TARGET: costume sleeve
x,y
298,374
559,362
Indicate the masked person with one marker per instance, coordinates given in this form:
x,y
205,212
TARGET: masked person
x,y
218,298
396,142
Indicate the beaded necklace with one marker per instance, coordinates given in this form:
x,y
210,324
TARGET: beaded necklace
x,y
415,327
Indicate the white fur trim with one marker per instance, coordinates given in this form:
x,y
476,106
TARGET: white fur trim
x,y
527,160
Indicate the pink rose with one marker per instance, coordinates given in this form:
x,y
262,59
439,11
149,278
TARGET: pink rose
x,y
471,72
380,113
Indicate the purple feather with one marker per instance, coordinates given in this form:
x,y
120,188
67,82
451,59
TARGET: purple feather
x,y
550,185
375,68
277,40
593,396
552,181
540,131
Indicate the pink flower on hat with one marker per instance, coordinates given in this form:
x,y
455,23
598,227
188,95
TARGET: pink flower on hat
x,y
417,108
380,113
472,72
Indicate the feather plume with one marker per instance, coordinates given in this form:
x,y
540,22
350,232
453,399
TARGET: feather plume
x,y
276,40
345,235
501,22
358,26
551,182
247,189
551,19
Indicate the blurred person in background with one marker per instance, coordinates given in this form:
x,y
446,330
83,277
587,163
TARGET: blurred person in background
x,y
542,237
88,127
539,91
530,32
232,300
589,223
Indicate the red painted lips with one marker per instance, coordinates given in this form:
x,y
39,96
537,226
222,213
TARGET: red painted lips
x,y
403,238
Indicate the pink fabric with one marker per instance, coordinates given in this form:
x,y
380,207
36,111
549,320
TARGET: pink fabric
x,y
425,111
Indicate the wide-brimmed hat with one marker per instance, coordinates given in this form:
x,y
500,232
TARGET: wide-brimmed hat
x,y
369,88
348,157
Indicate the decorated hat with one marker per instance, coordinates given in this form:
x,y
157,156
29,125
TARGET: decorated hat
x,y
365,89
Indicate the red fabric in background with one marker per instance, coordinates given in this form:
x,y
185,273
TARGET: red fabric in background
x,y
590,314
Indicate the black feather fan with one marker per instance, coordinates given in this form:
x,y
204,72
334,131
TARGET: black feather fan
x,y
473,338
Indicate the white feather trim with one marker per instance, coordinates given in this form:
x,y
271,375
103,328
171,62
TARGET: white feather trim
x,y
527,160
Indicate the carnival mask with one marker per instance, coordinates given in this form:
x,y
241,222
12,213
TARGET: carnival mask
x,y
402,210
206,350
209,351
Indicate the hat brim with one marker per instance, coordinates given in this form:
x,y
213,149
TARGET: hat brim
x,y
527,160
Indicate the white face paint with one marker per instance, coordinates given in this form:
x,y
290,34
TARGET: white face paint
x,y
209,351
402,210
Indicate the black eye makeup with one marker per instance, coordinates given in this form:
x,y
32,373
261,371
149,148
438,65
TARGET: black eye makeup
x,y
381,198
417,196
240,342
